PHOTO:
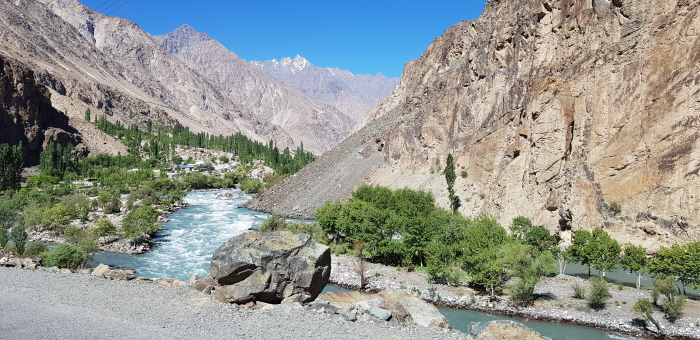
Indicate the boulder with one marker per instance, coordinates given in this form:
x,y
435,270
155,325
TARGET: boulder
x,y
100,270
503,330
30,262
270,267
403,306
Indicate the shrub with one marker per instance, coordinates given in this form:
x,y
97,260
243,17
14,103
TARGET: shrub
x,y
673,301
4,237
599,293
19,239
523,292
579,291
224,159
464,174
57,217
644,309
113,206
103,227
65,256
88,244
251,186
141,221
35,248
10,248
615,207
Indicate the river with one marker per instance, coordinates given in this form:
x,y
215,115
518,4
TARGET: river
x,y
188,240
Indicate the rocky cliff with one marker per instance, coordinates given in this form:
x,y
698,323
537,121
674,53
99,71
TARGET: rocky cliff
x,y
553,109
26,114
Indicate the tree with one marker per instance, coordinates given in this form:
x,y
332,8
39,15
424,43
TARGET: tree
x,y
578,250
673,302
644,309
635,260
450,177
177,159
11,166
87,114
604,251
682,262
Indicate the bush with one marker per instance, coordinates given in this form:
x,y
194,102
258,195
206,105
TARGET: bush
x,y
141,221
57,217
251,186
224,159
599,293
673,301
523,292
88,244
35,248
19,239
4,237
65,256
103,227
579,291
615,207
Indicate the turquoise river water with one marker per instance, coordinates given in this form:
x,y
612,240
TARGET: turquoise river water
x,y
188,240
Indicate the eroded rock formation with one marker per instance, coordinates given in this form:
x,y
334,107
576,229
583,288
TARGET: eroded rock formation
x,y
552,109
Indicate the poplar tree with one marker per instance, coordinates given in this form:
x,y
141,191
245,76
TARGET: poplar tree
x,y
11,166
450,177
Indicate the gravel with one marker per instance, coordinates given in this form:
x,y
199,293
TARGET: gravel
x,y
41,304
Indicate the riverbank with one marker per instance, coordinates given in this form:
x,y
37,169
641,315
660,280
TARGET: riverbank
x,y
42,304
555,302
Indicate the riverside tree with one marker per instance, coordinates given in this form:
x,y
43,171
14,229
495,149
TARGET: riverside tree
x,y
645,309
604,250
634,259
450,177
11,166
679,261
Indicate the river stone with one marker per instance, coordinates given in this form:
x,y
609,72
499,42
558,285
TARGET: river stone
x,y
503,330
380,313
270,267
406,307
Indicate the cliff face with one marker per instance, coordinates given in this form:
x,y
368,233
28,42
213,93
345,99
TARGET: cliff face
x,y
26,114
552,110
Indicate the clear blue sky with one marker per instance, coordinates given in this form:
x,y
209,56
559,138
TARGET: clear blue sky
x,y
362,36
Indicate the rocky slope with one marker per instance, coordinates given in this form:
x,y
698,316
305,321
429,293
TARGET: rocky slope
x,y
114,68
354,95
26,114
553,109
318,126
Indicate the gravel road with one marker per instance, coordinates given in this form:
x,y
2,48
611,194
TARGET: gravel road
x,y
38,304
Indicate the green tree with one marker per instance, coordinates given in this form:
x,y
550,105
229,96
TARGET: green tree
x,y
681,262
599,292
673,302
579,250
177,159
4,237
604,250
450,177
143,220
11,166
634,259
644,309
87,114
65,256
19,239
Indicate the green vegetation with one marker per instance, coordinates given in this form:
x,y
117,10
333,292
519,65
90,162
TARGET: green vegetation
x,y
160,141
87,115
673,302
644,309
579,291
596,249
615,207
679,261
450,178
65,256
634,259
19,239
35,248
141,221
11,166
103,227
599,292
277,223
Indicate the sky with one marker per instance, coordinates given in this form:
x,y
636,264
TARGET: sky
x,y
362,36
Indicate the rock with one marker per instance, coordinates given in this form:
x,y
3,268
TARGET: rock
x,y
270,267
380,313
100,270
322,307
171,282
301,298
250,304
66,271
503,330
402,305
118,274
30,262
351,315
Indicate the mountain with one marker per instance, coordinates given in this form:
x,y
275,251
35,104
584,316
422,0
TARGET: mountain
x,y
318,126
354,95
552,109
114,68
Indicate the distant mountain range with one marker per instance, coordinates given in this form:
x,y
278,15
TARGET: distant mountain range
x,y
354,95
114,68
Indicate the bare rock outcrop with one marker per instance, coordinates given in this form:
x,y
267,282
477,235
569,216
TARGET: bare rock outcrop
x,y
26,114
269,267
547,106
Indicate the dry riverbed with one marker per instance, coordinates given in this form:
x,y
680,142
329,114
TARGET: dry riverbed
x,y
555,302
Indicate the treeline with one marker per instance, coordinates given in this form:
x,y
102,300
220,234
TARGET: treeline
x,y
405,228
162,140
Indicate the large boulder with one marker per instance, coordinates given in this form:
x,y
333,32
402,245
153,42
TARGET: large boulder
x,y
503,330
404,307
269,267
